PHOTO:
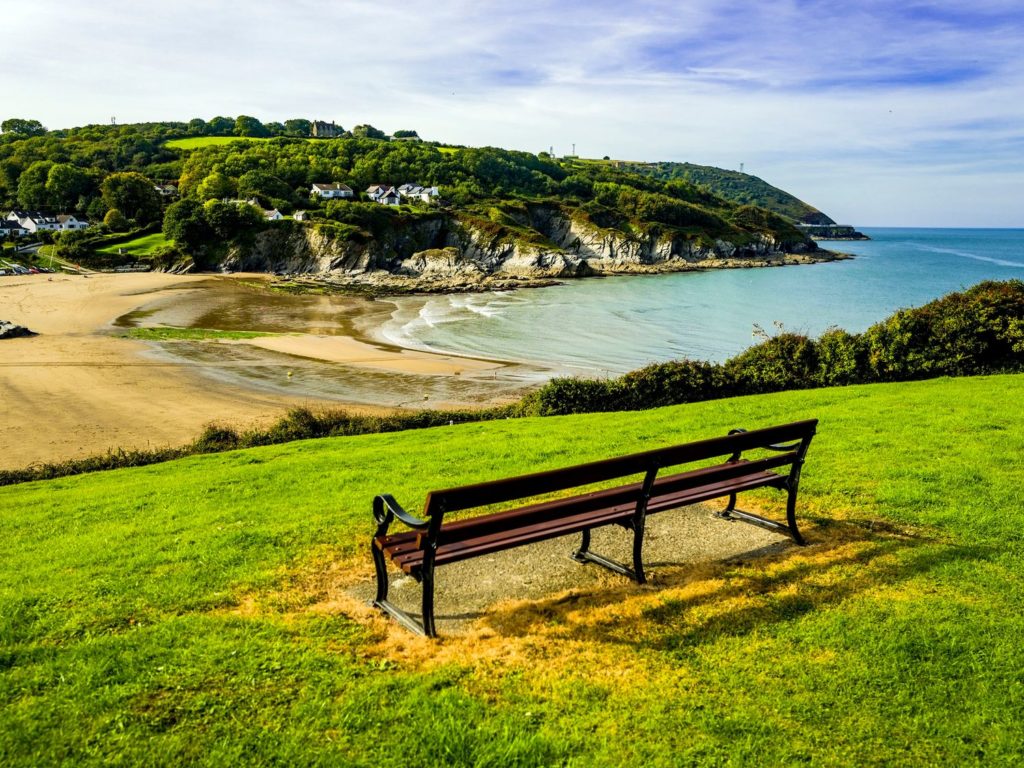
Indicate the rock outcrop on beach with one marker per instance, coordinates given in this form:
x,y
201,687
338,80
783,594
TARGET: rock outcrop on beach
x,y
9,330
540,242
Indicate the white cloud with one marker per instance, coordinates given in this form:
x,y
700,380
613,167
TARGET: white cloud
x,y
844,108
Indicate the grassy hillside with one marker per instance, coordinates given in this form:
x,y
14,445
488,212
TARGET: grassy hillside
x,y
190,611
736,187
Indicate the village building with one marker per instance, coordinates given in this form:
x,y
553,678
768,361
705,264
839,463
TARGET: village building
x,y
416,192
68,222
383,194
324,130
35,221
9,229
331,191
273,215
166,190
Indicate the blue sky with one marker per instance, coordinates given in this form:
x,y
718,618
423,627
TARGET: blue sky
x,y
879,113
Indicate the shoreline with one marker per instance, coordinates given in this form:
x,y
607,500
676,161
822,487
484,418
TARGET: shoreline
x,y
79,389
382,284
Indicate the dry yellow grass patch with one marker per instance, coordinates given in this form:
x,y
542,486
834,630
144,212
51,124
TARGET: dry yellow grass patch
x,y
594,633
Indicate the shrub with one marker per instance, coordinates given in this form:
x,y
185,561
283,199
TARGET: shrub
x,y
216,438
563,396
786,361
679,381
842,358
980,330
115,221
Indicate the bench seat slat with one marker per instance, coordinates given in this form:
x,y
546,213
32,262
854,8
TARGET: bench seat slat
x,y
496,542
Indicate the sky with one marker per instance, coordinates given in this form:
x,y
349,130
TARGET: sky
x,y
878,113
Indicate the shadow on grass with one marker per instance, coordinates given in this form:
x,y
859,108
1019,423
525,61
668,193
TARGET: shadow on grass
x,y
691,605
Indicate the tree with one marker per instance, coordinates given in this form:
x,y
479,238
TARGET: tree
x,y
185,224
220,126
20,127
65,184
297,127
368,132
32,185
197,127
263,185
216,186
70,246
228,219
132,194
275,129
115,221
250,126
406,134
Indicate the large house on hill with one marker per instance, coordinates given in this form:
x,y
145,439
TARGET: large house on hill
x,y
324,130
331,191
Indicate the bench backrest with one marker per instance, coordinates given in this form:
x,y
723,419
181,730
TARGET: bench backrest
x,y
798,434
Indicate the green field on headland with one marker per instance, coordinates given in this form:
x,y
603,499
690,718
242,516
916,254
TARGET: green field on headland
x,y
143,246
189,612
197,142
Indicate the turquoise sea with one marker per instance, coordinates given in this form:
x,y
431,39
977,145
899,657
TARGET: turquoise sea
x,y
616,324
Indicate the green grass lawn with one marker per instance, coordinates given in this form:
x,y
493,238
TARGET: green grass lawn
x,y
140,247
197,142
189,613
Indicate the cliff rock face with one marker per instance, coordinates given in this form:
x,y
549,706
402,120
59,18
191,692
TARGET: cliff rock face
x,y
542,243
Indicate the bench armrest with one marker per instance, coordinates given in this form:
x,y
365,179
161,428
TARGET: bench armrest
x,y
385,508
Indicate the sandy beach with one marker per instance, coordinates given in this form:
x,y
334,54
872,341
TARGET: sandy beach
x,y
77,389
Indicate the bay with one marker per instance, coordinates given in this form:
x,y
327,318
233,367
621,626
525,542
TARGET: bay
x,y
616,324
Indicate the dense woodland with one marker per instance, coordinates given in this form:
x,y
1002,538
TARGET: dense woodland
x,y
107,173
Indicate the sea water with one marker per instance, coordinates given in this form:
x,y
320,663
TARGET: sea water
x,y
615,324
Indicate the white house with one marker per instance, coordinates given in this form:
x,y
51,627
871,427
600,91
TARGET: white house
x,y
272,215
331,191
416,192
300,216
69,222
34,221
11,229
384,195
166,190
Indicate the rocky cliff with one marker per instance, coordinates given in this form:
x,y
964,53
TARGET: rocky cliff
x,y
445,251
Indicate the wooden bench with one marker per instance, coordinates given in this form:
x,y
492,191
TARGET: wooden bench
x,y
433,542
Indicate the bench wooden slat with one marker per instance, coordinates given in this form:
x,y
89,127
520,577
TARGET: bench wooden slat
x,y
706,493
498,541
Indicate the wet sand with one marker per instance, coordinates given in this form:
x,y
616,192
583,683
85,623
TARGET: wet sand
x,y
78,389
